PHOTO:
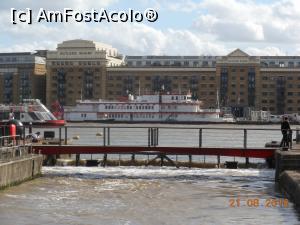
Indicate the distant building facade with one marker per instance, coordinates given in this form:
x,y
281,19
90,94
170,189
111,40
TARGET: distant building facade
x,y
81,69
237,81
22,76
77,70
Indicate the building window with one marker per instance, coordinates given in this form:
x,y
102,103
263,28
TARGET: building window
x,y
290,93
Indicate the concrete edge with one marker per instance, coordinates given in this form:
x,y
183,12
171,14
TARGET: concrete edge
x,y
13,176
289,182
20,181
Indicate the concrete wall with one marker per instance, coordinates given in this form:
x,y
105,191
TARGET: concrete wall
x,y
20,170
286,160
289,181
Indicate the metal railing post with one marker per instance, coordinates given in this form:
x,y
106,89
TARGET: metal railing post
x,y
151,135
245,146
297,136
245,138
149,138
200,137
66,135
24,135
156,143
108,136
104,136
59,136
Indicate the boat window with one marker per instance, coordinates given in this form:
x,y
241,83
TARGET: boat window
x,y
33,115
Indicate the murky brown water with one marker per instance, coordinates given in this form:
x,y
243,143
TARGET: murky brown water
x,y
126,195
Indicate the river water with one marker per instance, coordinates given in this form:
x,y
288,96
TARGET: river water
x,y
151,195
129,195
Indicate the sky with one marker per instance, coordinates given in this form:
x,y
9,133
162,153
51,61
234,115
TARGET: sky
x,y
184,27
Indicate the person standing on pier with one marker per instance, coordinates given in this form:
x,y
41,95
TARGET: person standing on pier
x,y
285,130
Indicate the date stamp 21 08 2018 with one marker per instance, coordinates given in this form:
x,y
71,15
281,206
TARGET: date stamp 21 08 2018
x,y
257,202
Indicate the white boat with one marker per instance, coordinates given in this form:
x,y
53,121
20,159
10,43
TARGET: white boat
x,y
144,108
29,111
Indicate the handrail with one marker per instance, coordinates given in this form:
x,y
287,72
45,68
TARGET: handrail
x,y
178,128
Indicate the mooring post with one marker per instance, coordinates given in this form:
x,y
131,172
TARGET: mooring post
x,y
77,159
59,136
245,146
66,136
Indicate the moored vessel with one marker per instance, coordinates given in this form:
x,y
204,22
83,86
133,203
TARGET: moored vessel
x,y
29,111
168,108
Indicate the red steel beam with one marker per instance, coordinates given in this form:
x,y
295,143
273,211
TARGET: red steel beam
x,y
79,149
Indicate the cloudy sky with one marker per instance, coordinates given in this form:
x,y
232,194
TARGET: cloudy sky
x,y
184,27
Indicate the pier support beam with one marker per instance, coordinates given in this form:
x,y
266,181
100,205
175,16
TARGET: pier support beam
x,y
77,162
104,161
162,157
